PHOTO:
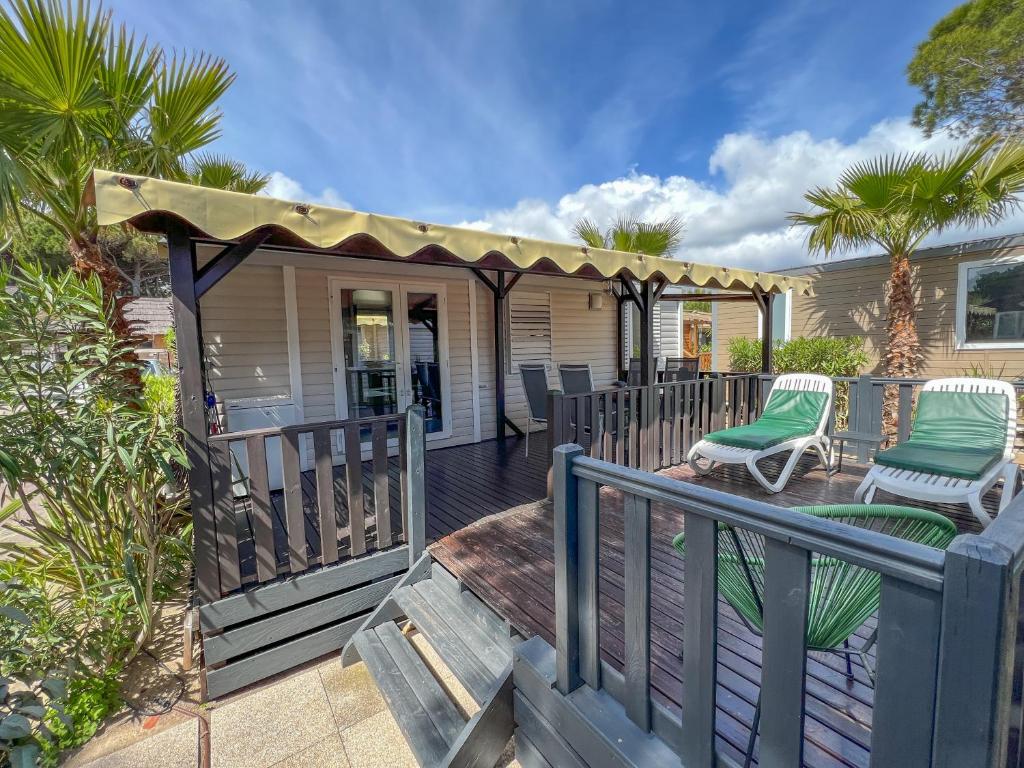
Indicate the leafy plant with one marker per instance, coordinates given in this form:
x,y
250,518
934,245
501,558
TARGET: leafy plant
x,y
744,355
632,235
159,393
80,92
92,466
28,700
90,700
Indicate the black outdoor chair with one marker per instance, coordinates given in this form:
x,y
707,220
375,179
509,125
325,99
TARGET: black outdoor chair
x,y
576,378
535,385
681,368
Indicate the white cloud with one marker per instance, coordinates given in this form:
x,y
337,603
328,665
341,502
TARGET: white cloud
x,y
285,187
740,218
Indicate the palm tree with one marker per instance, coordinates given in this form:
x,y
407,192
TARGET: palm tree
x,y
76,92
630,234
895,202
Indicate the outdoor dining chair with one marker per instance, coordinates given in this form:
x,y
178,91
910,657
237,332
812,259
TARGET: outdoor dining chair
x,y
681,368
576,378
842,596
535,384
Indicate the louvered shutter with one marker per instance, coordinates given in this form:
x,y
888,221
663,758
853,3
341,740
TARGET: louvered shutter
x,y
529,327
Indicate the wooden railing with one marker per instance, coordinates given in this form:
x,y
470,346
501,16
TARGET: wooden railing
x,y
320,517
946,626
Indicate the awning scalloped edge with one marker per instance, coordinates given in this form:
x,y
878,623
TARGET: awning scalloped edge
x,y
227,216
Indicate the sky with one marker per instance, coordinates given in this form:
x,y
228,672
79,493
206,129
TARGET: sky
x,y
522,116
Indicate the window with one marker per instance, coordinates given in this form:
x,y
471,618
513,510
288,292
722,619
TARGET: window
x,y
528,334
990,304
782,317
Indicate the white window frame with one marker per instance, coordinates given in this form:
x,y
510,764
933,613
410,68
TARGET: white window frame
x,y
961,305
787,329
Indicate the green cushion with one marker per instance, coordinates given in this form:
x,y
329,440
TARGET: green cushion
x,y
955,434
789,414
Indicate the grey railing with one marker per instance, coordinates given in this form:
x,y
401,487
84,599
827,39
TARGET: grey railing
x,y
310,530
946,625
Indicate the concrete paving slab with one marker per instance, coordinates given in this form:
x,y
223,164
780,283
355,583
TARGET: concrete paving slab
x,y
176,747
377,741
328,753
351,691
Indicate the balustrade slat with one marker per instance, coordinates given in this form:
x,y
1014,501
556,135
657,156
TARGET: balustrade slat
x,y
637,608
608,425
262,512
588,526
904,413
620,427
700,640
595,425
294,514
224,517
381,486
325,495
634,428
581,419
674,430
354,487
784,657
909,619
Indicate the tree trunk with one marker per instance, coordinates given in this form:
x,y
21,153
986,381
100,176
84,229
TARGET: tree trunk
x,y
88,260
903,350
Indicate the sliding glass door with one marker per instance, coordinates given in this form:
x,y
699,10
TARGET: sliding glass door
x,y
391,350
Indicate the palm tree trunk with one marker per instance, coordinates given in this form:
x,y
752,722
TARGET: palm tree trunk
x,y
903,350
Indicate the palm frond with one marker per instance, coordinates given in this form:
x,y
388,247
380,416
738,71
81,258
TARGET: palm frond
x,y
589,233
219,172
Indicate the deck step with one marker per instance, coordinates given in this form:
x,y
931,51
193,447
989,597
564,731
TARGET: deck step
x,y
472,642
474,655
426,715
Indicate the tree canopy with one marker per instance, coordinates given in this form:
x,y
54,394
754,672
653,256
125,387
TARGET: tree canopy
x,y
630,234
970,70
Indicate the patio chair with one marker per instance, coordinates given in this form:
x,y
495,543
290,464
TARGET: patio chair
x,y
794,419
535,385
960,446
681,368
842,596
576,378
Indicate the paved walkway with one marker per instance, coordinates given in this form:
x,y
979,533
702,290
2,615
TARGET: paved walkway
x,y
322,715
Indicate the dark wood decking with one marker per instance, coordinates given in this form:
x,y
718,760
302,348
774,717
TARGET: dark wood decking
x,y
508,560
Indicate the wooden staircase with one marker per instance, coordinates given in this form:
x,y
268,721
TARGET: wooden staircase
x,y
472,641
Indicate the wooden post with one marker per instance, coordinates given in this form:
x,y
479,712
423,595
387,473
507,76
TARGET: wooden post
x,y
415,487
648,373
556,404
979,612
188,332
499,356
567,570
764,302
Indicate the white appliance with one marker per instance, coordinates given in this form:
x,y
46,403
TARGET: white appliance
x,y
258,413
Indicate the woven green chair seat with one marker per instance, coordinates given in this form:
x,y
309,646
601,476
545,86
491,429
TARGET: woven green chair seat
x,y
789,414
955,434
842,596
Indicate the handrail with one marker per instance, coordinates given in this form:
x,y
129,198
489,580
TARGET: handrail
x,y
310,426
905,560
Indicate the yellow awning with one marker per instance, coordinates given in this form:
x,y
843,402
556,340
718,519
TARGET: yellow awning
x,y
149,204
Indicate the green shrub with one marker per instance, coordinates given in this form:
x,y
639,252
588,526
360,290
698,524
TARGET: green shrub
x,y
744,355
159,392
92,467
827,355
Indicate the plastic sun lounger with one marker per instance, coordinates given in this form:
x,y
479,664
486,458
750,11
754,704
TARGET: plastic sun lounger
x,y
960,446
794,419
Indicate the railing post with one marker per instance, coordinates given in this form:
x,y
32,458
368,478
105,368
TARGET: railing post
x,y
567,569
864,404
556,405
415,487
979,612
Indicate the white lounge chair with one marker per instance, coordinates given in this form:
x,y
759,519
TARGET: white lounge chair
x,y
794,418
960,446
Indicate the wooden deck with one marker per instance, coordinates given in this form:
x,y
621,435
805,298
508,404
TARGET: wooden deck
x,y
507,559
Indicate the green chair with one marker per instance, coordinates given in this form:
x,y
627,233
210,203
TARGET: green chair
x,y
842,596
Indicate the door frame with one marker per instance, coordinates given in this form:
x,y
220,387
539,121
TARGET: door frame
x,y
399,288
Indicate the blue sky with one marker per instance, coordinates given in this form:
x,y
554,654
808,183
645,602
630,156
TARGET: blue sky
x,y
522,115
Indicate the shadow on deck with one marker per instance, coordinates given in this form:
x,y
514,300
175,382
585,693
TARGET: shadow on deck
x,y
508,560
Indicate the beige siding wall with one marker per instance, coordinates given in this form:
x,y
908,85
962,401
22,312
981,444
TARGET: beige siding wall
x,y
578,335
851,301
731,320
247,346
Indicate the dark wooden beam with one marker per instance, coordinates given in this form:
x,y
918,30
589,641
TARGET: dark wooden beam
x,y
483,278
634,296
646,304
512,283
712,297
764,303
660,289
188,331
221,265
499,355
